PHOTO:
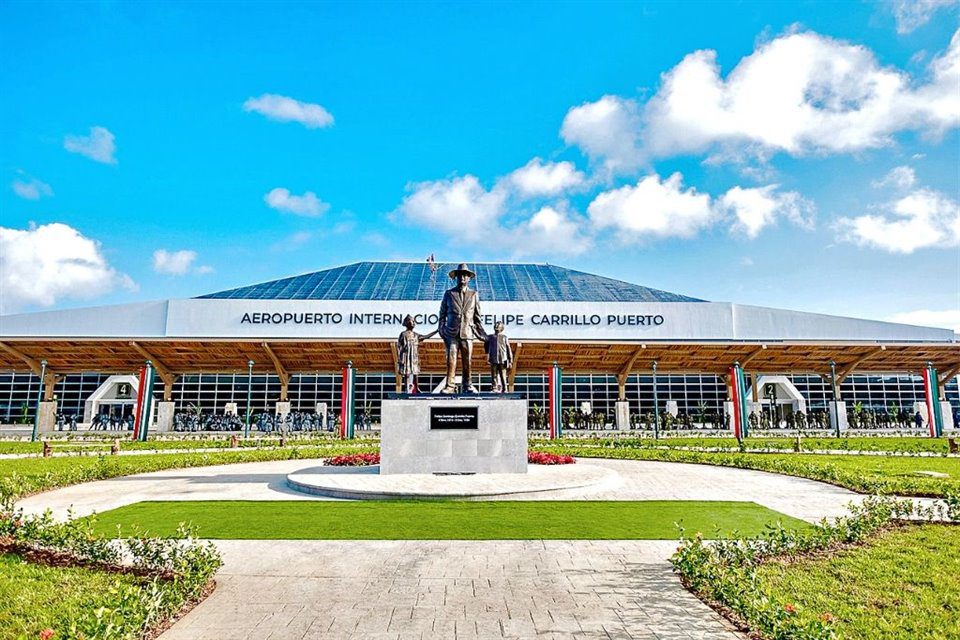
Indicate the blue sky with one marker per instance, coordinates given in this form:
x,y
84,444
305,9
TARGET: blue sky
x,y
801,155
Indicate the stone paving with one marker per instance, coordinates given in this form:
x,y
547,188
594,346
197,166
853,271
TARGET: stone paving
x,y
452,589
280,590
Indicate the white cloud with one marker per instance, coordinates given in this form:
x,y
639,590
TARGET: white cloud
x,y
457,206
801,93
41,265
537,178
652,208
31,189
921,219
99,145
549,231
911,14
175,263
898,178
948,319
308,204
607,131
756,208
285,109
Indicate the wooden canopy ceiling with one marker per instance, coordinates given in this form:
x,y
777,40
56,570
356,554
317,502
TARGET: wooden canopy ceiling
x,y
288,357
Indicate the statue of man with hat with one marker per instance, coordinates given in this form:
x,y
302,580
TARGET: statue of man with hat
x,y
460,325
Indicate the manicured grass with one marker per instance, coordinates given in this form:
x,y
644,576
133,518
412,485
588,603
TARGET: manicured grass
x,y
884,444
24,476
35,597
867,474
64,442
905,583
409,520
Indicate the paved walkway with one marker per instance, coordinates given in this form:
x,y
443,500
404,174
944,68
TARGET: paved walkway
x,y
452,589
286,590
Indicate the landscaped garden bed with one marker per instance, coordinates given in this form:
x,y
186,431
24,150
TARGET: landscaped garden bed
x,y
59,580
868,575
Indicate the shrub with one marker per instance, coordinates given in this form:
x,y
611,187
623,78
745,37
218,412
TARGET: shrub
x,y
724,573
541,457
174,571
355,460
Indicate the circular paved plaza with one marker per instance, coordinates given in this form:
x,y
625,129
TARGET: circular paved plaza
x,y
285,589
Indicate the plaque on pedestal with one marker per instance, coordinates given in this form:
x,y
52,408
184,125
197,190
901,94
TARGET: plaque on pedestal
x,y
470,433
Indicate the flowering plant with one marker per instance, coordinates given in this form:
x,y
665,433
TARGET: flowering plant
x,y
540,457
354,460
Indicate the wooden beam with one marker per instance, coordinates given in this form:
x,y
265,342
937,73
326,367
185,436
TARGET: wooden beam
x,y
950,373
753,354
163,370
856,363
49,385
281,371
32,363
512,375
627,366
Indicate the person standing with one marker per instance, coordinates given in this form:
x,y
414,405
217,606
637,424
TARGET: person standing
x,y
459,325
500,357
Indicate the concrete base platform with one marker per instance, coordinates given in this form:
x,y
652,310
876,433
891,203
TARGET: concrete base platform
x,y
366,483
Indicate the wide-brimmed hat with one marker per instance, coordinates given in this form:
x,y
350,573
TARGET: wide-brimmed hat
x,y
410,318
463,268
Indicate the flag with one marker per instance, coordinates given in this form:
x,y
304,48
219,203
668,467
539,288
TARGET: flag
x,y
555,386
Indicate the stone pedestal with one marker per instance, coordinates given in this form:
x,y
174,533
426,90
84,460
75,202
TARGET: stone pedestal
x,y
838,414
453,434
165,411
623,415
47,416
283,408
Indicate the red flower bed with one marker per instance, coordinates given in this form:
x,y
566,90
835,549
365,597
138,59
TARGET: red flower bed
x,y
538,457
355,460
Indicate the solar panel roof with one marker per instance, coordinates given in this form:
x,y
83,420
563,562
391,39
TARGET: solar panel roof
x,y
417,281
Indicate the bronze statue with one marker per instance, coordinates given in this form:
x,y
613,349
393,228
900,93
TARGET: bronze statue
x,y
500,357
460,325
408,354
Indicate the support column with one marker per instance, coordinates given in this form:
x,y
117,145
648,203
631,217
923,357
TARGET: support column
x,y
46,416
623,415
165,411
838,416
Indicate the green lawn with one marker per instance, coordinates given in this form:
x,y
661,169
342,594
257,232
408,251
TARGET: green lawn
x,y
905,583
887,475
24,476
403,520
885,444
35,597
66,442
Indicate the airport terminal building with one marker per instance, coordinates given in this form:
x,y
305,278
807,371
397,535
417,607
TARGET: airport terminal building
x,y
615,342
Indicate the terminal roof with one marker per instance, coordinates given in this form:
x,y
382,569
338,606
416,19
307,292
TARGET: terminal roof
x,y
417,281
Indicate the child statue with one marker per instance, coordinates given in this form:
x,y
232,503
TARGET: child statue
x,y
408,354
500,357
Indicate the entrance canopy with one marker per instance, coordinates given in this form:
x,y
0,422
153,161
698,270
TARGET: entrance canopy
x,y
318,321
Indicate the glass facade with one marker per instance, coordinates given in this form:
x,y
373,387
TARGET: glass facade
x,y
694,394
